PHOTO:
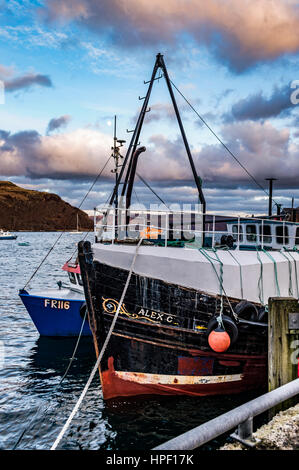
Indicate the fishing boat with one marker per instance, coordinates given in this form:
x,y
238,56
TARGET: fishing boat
x,y
5,235
58,311
177,301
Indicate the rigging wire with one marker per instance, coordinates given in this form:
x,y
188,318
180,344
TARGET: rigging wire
x,y
62,233
40,410
96,366
151,189
222,143
137,198
89,231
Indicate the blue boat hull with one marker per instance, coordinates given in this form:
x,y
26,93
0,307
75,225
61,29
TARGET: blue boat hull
x,y
9,237
55,316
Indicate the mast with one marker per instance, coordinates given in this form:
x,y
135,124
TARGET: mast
x,y
134,140
160,64
129,158
195,175
116,162
117,157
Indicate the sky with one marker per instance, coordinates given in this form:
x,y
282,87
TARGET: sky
x,y
67,67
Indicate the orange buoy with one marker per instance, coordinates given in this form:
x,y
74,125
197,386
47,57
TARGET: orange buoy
x,y
219,340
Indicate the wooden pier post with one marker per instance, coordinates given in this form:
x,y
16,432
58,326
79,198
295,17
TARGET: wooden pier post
x,y
283,343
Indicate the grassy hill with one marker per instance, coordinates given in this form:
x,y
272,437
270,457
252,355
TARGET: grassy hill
x,y
29,210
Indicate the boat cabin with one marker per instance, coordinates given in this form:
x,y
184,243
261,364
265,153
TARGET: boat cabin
x,y
264,233
74,274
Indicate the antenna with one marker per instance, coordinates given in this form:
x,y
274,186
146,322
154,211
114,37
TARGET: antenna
x,y
117,144
117,158
270,196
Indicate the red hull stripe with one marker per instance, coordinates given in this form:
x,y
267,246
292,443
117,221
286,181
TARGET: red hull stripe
x,y
125,384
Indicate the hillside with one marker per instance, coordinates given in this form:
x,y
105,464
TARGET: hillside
x,y
29,210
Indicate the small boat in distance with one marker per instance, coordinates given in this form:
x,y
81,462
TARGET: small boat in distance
x,y
76,231
23,243
5,235
60,311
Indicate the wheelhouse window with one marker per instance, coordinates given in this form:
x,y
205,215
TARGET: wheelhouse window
x,y
297,236
235,232
282,235
80,282
265,234
72,278
251,233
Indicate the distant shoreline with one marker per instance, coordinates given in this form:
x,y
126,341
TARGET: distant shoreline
x,y
56,230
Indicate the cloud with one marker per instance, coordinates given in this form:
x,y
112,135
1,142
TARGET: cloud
x,y
65,162
237,200
27,81
35,36
57,123
165,111
257,106
160,111
77,154
6,72
264,151
80,154
240,34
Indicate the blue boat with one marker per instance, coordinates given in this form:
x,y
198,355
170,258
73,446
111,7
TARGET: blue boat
x,y
7,235
60,311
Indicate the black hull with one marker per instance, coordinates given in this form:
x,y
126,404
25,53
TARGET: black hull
x,y
159,344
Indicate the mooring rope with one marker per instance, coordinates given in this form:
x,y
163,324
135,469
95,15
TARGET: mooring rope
x,y
241,277
296,274
260,283
290,272
220,279
95,368
275,272
56,386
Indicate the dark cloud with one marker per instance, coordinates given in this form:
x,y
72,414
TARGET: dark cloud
x,y
57,123
27,81
239,200
77,154
264,150
257,106
240,34
65,163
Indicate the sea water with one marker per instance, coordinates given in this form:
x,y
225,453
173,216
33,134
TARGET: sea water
x,y
33,403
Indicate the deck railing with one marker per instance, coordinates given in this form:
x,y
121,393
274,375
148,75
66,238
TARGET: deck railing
x,y
191,226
